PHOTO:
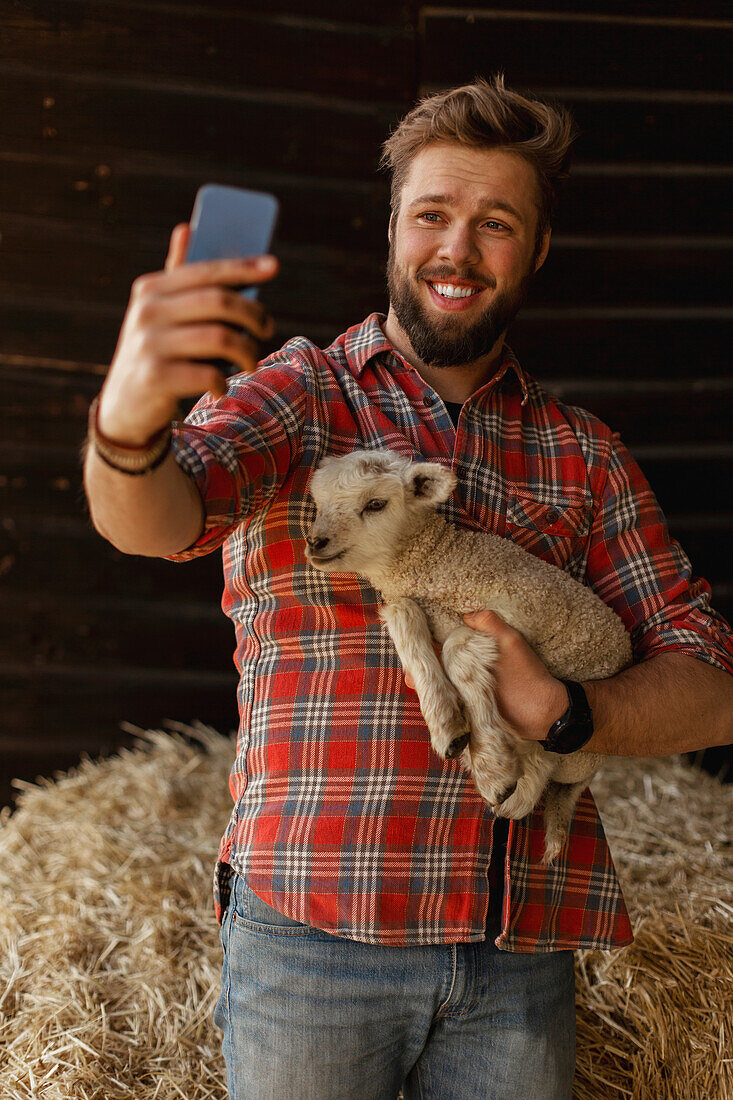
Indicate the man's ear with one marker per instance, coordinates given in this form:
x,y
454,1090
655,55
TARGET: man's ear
x,y
429,483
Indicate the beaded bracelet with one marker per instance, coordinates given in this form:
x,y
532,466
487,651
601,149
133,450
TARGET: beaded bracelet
x,y
126,459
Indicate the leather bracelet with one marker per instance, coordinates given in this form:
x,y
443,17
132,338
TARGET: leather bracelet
x,y
133,460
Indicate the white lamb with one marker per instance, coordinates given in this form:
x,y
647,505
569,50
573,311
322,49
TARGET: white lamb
x,y
376,516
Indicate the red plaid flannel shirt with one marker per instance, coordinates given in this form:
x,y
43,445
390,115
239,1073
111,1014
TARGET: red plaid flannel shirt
x,y
344,818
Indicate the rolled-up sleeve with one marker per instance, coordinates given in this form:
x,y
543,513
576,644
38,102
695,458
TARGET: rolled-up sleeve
x,y
239,449
637,568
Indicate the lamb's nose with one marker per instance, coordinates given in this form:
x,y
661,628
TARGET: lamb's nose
x,y
318,544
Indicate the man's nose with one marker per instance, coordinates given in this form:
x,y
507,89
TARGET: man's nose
x,y
318,542
459,246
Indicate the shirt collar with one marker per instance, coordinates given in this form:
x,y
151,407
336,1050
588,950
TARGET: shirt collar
x,y
364,341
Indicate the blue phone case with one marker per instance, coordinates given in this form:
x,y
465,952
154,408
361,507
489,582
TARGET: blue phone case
x,y
229,222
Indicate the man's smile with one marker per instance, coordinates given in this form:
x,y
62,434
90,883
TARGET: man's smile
x,y
453,297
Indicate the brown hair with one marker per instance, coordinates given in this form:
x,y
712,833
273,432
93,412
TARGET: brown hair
x,y
486,115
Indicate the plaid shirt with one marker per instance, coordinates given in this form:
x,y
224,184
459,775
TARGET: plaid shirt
x,y
344,818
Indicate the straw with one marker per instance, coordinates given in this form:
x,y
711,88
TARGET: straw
x,y
110,958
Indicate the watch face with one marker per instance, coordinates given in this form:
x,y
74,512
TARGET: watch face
x,y
571,736
575,727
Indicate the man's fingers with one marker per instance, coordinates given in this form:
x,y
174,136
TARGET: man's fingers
x,y
238,272
490,621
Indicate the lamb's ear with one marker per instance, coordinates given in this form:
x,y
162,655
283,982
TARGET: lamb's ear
x,y
430,483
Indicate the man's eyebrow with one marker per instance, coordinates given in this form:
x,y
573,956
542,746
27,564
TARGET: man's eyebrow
x,y
485,202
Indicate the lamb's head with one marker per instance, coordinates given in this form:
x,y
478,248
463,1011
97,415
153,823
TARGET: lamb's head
x,y
368,503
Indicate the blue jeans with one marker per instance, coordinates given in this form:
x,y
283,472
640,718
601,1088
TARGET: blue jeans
x,y
306,1015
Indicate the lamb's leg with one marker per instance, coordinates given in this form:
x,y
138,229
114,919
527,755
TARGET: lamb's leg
x,y
560,803
439,701
468,658
536,768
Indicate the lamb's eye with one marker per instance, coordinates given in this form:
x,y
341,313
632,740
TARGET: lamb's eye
x,y
375,505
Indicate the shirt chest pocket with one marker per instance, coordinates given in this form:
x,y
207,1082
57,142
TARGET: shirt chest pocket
x,y
555,530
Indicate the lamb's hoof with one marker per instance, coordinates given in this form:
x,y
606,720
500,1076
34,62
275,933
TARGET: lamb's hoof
x,y
553,847
457,746
504,796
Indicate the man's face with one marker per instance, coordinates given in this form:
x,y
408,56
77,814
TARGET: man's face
x,y
467,240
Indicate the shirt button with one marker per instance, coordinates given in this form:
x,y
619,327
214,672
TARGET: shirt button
x,y
429,399
552,515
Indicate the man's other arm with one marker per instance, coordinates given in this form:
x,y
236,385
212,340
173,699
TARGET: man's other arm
x,y
678,696
668,704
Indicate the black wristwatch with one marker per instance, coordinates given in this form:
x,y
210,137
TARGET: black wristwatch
x,y
574,728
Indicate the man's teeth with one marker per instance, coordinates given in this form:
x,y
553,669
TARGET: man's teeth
x,y
449,291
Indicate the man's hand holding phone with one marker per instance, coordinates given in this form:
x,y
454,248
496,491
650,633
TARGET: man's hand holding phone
x,y
185,313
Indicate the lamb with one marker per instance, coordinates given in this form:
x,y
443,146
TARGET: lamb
x,y
376,516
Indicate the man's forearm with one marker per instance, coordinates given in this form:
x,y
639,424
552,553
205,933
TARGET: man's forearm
x,y
153,515
670,704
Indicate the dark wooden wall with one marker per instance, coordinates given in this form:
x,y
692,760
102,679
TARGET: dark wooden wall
x,y
113,113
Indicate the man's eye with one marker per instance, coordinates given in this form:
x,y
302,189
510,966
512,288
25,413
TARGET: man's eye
x,y
375,505
491,221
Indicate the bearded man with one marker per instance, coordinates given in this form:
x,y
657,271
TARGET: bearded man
x,y
381,928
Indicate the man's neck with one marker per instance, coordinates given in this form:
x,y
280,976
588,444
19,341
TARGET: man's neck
x,y
454,384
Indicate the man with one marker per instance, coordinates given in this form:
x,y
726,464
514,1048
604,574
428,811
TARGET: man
x,y
380,928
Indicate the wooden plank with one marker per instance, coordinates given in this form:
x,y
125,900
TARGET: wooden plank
x,y
562,343
644,411
66,263
147,202
232,49
624,272
652,200
81,708
284,131
706,540
70,263
380,12
645,128
688,479
695,411
558,342
309,135
45,336
39,555
83,562
383,11
50,630
352,214
622,54
687,10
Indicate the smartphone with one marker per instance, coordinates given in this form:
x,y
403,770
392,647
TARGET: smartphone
x,y
228,222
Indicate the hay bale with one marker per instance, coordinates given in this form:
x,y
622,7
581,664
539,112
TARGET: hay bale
x,y
110,959
655,1020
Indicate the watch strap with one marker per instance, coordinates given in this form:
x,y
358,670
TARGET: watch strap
x,y
574,728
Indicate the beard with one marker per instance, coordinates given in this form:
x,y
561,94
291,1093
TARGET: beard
x,y
451,340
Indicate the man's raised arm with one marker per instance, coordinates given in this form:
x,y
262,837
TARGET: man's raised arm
x,y
174,318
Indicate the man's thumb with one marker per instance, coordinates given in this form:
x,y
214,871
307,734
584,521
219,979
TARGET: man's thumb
x,y
178,245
